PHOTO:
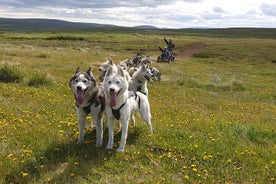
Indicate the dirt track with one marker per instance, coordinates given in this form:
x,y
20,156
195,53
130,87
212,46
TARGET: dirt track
x,y
186,52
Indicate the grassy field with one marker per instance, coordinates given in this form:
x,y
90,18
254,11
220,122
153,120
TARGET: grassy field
x,y
214,113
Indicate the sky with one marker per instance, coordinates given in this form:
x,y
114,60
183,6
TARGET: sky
x,y
159,13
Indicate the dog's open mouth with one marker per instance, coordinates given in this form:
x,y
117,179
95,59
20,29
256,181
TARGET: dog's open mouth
x,y
80,96
113,96
146,77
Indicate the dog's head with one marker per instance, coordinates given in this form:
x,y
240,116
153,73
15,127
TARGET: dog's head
x,y
104,67
115,84
155,72
143,73
82,83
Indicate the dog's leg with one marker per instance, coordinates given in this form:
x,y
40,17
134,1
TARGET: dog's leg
x,y
149,125
146,116
99,131
121,147
97,117
81,119
110,125
132,117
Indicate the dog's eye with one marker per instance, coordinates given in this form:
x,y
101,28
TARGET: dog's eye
x,y
109,82
85,80
118,82
76,80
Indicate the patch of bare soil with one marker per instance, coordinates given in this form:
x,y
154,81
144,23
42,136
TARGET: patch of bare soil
x,y
187,52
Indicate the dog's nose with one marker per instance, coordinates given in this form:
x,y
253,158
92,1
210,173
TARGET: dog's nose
x,y
112,90
78,88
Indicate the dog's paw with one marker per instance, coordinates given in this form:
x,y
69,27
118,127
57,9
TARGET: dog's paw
x,y
99,144
80,138
109,147
79,142
120,149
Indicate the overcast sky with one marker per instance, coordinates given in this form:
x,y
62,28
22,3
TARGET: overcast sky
x,y
159,13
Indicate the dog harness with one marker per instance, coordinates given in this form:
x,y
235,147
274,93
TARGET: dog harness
x,y
116,112
139,89
96,101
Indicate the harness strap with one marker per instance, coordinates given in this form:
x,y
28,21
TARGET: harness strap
x,y
139,89
116,112
139,100
87,109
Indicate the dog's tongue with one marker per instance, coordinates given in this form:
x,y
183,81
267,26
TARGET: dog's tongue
x,y
112,102
80,97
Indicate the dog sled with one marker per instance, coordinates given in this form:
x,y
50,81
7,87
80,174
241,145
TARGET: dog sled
x,y
166,56
167,53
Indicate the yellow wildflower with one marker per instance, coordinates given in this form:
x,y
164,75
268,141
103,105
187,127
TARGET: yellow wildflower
x,y
25,174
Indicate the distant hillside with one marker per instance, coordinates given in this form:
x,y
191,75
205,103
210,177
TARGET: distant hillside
x,y
38,25
146,27
8,24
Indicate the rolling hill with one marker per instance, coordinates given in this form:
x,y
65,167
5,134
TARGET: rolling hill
x,y
9,24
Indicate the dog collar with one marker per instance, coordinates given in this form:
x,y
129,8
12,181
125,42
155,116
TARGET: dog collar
x,y
116,112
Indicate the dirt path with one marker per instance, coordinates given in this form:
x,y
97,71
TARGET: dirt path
x,y
187,52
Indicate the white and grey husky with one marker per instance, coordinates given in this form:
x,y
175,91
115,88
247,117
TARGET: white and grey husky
x,y
139,80
121,104
90,99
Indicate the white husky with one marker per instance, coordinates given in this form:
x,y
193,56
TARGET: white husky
x,y
139,80
120,104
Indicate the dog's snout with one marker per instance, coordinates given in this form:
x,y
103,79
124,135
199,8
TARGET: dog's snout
x,y
78,88
112,90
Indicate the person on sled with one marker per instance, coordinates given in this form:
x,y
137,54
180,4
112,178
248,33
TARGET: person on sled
x,y
170,44
164,52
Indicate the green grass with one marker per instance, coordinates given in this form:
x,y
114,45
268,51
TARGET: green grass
x,y
213,115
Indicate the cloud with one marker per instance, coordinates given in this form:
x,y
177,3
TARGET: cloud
x,y
218,10
160,13
269,9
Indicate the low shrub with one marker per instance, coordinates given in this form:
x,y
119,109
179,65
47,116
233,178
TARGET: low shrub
x,y
9,73
39,80
65,38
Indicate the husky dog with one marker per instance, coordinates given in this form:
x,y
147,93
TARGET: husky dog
x,y
146,60
90,99
121,105
103,68
132,70
108,63
156,73
139,80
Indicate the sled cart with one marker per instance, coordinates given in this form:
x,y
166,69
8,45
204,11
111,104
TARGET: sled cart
x,y
166,56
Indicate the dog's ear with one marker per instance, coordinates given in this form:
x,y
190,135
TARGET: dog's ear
x,y
89,72
109,71
77,70
143,66
110,61
121,71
